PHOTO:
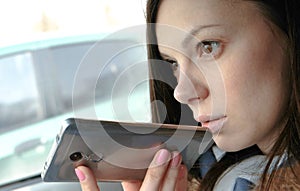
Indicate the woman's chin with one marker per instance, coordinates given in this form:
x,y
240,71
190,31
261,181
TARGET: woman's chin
x,y
224,144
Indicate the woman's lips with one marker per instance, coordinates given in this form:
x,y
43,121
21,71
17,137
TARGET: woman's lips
x,y
214,125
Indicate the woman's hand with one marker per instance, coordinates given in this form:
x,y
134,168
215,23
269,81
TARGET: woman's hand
x,y
166,173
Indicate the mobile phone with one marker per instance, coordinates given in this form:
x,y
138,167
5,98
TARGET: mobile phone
x,y
117,151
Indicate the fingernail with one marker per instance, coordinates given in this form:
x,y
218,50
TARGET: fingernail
x,y
181,173
176,160
79,174
162,157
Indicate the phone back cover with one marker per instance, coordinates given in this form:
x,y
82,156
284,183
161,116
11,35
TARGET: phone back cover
x,y
117,151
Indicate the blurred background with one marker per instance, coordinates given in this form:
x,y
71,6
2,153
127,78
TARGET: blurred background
x,y
42,44
23,21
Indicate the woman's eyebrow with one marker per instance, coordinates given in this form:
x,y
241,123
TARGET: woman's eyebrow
x,y
191,34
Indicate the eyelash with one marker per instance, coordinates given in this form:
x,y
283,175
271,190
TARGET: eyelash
x,y
173,63
209,48
202,51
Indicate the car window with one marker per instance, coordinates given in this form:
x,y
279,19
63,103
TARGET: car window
x,y
18,91
40,68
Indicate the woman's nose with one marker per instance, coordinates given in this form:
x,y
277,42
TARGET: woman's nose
x,y
190,88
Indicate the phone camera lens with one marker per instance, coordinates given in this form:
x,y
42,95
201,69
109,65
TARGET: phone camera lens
x,y
76,156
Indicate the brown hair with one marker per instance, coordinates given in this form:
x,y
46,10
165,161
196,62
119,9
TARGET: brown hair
x,y
284,15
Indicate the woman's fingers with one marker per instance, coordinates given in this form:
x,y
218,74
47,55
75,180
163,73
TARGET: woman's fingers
x,y
87,179
156,172
131,185
166,173
171,176
182,179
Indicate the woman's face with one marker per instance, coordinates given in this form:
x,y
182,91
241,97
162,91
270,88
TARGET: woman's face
x,y
233,73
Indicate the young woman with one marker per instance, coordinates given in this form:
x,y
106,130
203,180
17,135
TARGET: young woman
x,y
236,65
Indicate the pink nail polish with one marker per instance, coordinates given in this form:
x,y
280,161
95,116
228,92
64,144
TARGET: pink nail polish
x,y
182,172
79,174
163,157
176,159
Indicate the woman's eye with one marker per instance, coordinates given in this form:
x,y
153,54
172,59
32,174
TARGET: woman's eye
x,y
174,64
209,48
